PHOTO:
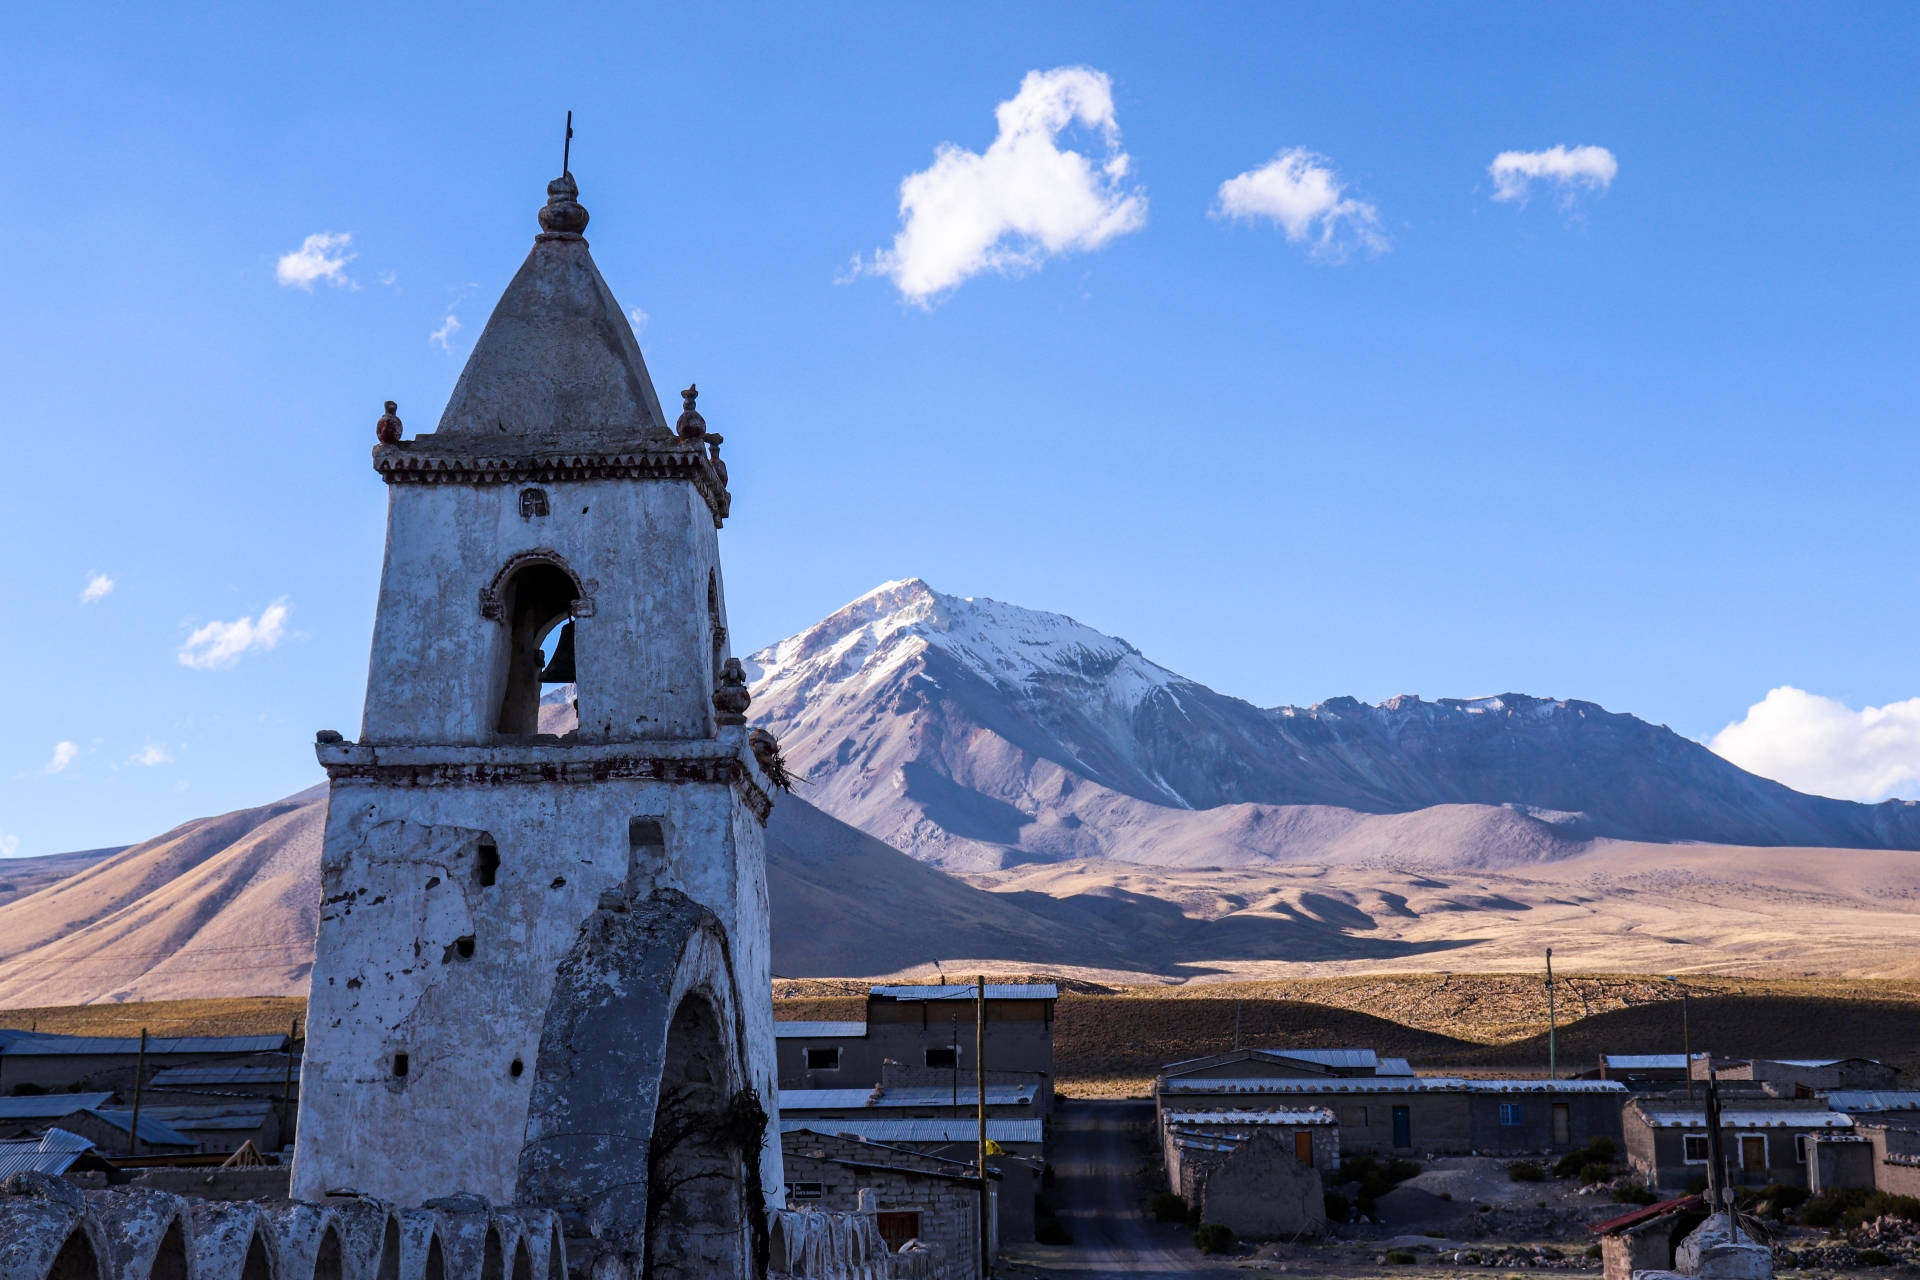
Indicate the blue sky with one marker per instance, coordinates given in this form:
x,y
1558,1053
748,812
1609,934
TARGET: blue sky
x,y
1649,444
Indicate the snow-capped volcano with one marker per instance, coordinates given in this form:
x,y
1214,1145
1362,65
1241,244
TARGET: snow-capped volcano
x,y
974,734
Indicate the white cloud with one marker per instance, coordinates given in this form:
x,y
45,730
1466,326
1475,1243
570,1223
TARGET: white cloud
x,y
220,644
1023,201
64,754
319,257
638,319
9,845
444,334
1824,747
98,587
151,754
1566,168
1296,189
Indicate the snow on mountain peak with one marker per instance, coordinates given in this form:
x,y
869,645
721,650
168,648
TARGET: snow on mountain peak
x,y
1010,647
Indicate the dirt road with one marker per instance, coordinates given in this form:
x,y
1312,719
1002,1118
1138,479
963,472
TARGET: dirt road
x,y
1097,1154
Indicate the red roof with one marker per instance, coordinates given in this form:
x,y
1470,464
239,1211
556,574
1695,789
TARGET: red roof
x,y
1644,1213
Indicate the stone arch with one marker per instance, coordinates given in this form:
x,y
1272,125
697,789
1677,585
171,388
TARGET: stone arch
x,y
522,1261
436,1268
76,1259
170,1256
328,1263
259,1262
643,1012
492,1258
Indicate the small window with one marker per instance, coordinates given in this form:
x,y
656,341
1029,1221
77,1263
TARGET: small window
x,y
942,1058
486,862
1696,1148
1800,1148
400,1065
533,502
823,1059
804,1190
897,1228
1510,1113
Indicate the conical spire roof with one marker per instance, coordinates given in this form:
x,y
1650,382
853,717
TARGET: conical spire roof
x,y
557,366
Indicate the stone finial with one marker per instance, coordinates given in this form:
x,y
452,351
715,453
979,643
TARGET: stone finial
x,y
731,699
388,428
563,214
691,425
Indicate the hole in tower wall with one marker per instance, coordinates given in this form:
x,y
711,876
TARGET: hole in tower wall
x,y
486,863
517,1067
534,603
646,850
400,1065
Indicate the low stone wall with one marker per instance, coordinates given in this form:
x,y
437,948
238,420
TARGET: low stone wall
x,y
51,1229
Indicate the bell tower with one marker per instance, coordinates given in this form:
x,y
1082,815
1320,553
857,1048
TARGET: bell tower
x,y
543,971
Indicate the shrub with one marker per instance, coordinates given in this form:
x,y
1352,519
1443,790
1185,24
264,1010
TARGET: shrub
x,y
1697,1184
1526,1171
1399,1257
1873,1258
1051,1232
1602,1148
1827,1209
1599,1150
1366,1206
1593,1251
1883,1204
1446,1195
1169,1206
1398,1171
1213,1238
1571,1163
1337,1207
1193,1217
28,1089
1434,1235
1633,1195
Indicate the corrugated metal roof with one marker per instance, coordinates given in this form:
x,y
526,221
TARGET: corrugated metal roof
x,y
920,1130
51,1106
218,1117
45,1044
995,991
1297,1116
1732,1119
1393,1067
1347,1059
57,1139
1874,1100
998,1095
54,1153
151,1130
1645,1061
819,1030
1375,1084
220,1073
1811,1062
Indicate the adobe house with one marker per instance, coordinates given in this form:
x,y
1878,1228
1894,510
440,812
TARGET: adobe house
x,y
95,1063
1258,1187
917,1196
1645,1239
542,967
1765,1139
1192,1141
1798,1077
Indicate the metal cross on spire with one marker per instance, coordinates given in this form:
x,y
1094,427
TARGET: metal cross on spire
x,y
566,152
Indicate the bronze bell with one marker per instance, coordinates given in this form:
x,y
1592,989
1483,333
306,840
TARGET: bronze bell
x,y
560,669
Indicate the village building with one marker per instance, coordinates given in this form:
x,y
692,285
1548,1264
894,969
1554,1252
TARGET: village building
x,y
1386,1112
31,1115
1641,1072
955,1102
42,1060
1796,1077
1192,1141
111,1132
1890,1106
1254,1182
917,1197
1645,1239
1765,1139
956,1139
925,1035
1893,1161
542,967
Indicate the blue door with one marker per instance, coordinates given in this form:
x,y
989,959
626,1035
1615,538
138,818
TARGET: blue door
x,y
1402,1127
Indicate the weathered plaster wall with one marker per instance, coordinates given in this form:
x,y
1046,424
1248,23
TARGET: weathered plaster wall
x,y
401,892
644,658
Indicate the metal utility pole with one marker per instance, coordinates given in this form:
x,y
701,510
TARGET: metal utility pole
x,y
980,1100
1236,1026
953,1038
1553,1065
1686,1032
139,1070
1718,1196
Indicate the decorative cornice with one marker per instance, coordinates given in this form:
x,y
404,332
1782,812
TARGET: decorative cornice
x,y
546,761
409,463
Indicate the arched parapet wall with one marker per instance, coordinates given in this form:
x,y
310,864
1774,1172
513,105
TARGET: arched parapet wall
x,y
146,1233
46,1232
231,1241
423,1254
469,1238
369,1239
603,1048
300,1232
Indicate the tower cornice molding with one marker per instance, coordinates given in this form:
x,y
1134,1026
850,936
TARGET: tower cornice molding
x,y
419,462
724,761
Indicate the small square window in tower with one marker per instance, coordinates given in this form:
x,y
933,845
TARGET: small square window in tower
x,y
533,502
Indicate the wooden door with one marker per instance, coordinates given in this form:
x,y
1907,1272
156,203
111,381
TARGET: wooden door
x,y
1303,1146
898,1228
1562,1124
1753,1154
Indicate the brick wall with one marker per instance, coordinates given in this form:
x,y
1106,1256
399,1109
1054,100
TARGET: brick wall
x,y
908,1183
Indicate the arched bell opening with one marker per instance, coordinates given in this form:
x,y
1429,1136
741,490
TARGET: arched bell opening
x,y
696,1169
76,1259
327,1263
536,606
170,1258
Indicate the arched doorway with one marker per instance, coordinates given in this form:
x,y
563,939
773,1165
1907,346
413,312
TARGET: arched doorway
x,y
696,1170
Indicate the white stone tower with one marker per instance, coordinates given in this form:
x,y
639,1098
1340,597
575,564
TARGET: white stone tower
x,y
542,971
